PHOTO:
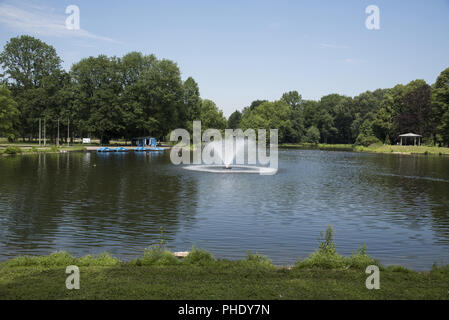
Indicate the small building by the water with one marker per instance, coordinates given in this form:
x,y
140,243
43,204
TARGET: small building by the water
x,y
407,138
144,141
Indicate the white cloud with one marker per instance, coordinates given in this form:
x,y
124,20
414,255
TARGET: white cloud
x,y
34,19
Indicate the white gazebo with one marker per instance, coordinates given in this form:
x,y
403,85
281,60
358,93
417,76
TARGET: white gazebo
x,y
411,135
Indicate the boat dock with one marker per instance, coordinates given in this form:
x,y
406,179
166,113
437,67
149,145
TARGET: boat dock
x,y
130,148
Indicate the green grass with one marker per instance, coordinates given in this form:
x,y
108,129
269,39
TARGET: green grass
x,y
160,275
426,150
377,148
221,280
28,149
12,150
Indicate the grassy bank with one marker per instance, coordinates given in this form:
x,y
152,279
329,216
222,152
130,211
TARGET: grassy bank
x,y
376,148
160,275
29,149
380,148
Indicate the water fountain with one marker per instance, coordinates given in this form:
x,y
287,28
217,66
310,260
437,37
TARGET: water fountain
x,y
224,159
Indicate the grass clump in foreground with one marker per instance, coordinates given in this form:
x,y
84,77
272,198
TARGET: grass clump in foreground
x,y
62,259
156,256
326,257
161,275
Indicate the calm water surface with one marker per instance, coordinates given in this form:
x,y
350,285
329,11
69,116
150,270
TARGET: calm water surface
x,y
87,203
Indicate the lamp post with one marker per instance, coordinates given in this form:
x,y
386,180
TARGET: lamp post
x,y
40,132
57,140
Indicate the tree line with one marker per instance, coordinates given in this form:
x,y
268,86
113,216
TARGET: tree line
x,y
103,97
378,116
138,95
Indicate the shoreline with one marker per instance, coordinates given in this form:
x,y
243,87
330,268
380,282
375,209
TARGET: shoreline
x,y
377,148
161,275
383,149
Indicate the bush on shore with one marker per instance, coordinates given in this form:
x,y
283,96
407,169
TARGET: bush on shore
x,y
199,257
156,256
62,259
326,257
12,150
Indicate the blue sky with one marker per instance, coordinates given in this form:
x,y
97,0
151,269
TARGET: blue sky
x,y
239,51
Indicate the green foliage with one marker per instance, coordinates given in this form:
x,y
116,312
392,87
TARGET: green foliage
x,y
27,61
440,106
360,259
269,115
442,269
293,99
157,256
327,245
234,120
9,114
312,135
139,95
366,141
395,268
326,257
199,257
211,117
12,150
62,259
256,260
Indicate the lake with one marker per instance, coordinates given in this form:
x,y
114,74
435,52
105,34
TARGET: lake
x,y
88,203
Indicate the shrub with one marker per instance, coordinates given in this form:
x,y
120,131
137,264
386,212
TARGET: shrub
x,y
256,260
360,259
326,257
62,259
199,257
103,259
366,141
395,268
157,256
12,150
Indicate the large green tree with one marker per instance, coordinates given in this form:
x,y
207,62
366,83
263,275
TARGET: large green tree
x,y
32,71
294,100
9,114
234,120
191,103
97,87
269,115
440,104
415,110
211,116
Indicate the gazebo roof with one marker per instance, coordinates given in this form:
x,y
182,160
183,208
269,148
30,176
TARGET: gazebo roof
x,y
410,135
